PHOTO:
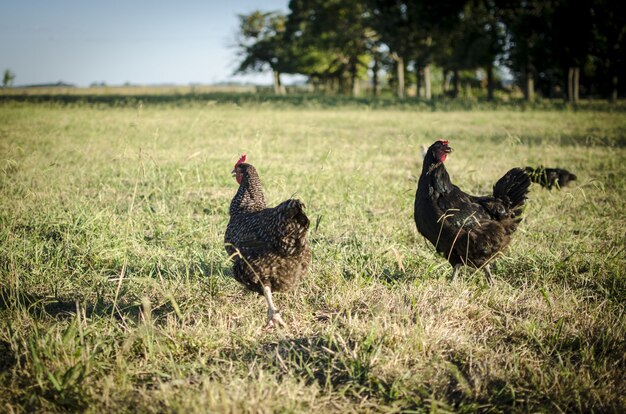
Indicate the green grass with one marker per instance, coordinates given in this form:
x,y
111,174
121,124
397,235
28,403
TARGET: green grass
x,y
116,294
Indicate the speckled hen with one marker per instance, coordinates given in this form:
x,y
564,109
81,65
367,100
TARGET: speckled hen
x,y
466,229
268,246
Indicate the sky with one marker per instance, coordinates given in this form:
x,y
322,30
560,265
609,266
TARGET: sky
x,y
113,41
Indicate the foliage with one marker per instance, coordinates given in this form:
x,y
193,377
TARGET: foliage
x,y
339,40
262,44
339,28
7,78
261,41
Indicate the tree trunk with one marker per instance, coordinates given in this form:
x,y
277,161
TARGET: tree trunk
x,y
354,81
490,83
355,87
576,85
278,87
400,69
446,81
570,84
376,89
427,92
427,84
276,77
613,97
455,83
529,90
419,92
573,84
345,83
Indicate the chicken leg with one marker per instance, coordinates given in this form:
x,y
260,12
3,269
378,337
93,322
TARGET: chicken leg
x,y
487,270
273,314
455,271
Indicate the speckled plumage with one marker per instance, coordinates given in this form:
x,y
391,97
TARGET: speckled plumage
x,y
465,229
272,242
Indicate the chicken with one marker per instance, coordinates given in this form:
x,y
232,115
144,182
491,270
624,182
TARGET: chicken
x,y
466,229
268,246
550,177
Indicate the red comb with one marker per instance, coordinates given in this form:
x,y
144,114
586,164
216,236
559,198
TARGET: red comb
x,y
242,159
444,142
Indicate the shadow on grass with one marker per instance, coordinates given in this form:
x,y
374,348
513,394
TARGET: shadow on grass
x,y
336,364
349,366
129,305
577,271
42,305
7,356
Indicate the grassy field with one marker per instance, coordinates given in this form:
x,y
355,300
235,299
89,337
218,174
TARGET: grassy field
x,y
116,291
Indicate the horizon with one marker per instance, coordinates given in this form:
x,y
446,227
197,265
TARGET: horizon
x,y
291,80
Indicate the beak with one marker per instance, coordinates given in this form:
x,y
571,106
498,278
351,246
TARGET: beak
x,y
448,150
233,173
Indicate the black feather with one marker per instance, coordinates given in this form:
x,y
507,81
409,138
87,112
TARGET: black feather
x,y
550,177
466,229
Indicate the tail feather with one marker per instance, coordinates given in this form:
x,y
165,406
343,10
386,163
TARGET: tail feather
x,y
292,225
543,176
293,209
512,188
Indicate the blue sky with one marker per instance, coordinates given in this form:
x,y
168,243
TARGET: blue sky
x,y
114,41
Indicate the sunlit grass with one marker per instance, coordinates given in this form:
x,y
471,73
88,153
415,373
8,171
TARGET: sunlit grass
x,y
116,293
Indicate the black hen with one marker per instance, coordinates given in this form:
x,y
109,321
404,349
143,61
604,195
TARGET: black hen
x,y
268,246
466,229
550,177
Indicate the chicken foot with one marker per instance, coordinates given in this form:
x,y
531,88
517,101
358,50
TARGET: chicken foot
x,y
455,270
273,314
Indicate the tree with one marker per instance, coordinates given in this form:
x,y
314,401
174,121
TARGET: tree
x,y
550,42
390,19
339,28
431,21
608,19
570,32
8,78
262,44
481,40
527,26
549,45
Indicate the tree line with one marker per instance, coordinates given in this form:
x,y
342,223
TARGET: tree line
x,y
555,48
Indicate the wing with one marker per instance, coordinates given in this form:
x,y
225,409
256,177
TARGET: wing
x,y
286,227
243,236
465,210
281,230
